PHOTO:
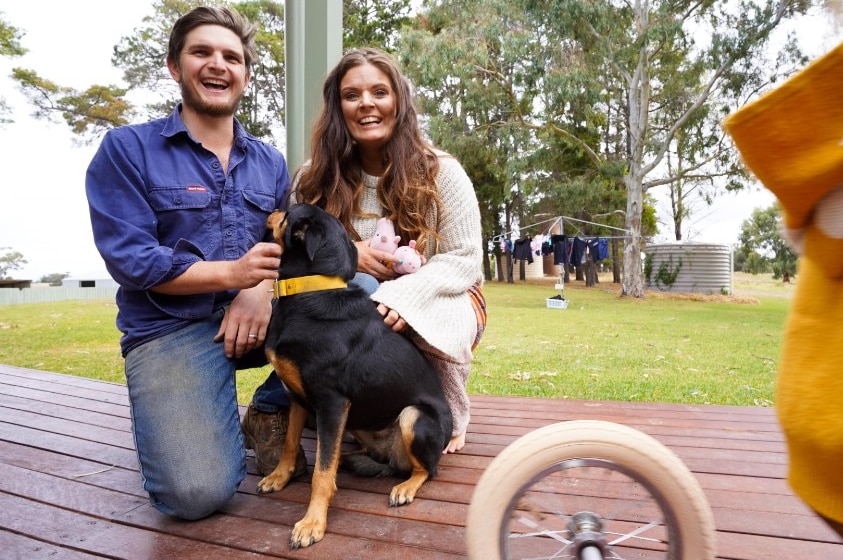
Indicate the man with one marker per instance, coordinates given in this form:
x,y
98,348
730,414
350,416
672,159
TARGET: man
x,y
178,208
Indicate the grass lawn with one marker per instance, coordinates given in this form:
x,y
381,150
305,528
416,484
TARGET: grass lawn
x,y
685,349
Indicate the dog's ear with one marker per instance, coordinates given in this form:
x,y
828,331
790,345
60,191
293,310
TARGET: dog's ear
x,y
308,233
314,235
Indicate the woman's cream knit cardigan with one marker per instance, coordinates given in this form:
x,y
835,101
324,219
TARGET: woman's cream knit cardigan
x,y
434,301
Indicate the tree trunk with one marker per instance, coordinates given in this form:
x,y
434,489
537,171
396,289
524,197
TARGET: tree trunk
x,y
499,265
509,279
487,266
633,274
638,97
590,269
616,262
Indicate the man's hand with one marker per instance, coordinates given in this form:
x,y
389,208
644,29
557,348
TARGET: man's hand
x,y
244,325
259,264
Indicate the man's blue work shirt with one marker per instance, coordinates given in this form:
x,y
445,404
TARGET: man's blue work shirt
x,y
160,202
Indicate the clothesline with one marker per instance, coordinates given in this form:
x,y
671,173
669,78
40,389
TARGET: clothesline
x,y
559,219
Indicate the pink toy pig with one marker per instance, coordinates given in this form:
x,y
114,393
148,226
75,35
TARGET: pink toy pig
x,y
385,239
411,260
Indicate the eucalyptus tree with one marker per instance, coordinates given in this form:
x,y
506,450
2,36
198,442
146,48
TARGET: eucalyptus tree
x,y
476,63
674,61
374,23
761,243
10,46
10,260
10,37
150,92
622,85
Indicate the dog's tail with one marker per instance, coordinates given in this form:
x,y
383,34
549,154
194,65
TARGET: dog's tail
x,y
365,465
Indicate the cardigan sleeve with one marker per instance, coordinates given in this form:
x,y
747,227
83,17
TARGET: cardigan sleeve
x,y
434,300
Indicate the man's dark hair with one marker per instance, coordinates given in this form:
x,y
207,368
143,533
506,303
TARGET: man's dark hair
x,y
213,15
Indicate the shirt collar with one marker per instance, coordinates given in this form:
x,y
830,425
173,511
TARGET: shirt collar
x,y
174,125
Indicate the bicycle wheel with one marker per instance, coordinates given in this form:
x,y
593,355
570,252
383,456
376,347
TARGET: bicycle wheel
x,y
589,489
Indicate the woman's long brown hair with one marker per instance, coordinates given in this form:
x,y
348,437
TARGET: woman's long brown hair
x,y
333,180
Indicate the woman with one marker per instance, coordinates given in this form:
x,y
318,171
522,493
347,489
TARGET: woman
x,y
369,160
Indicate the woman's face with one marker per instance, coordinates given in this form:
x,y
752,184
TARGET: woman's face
x,y
369,106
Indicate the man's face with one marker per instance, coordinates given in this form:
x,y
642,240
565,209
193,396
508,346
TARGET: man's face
x,y
211,71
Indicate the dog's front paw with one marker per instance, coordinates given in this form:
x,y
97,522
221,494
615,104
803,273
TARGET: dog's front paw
x,y
402,494
273,483
307,532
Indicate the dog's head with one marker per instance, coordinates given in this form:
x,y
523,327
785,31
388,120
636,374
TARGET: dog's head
x,y
313,242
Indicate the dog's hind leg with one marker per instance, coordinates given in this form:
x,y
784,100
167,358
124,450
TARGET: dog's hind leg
x,y
279,478
330,424
405,492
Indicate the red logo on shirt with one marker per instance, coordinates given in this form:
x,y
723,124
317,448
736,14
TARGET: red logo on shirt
x,y
196,188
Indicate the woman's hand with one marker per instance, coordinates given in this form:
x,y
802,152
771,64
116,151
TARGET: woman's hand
x,y
392,318
375,262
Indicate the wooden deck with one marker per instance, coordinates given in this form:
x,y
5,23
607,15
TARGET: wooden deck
x,y
70,488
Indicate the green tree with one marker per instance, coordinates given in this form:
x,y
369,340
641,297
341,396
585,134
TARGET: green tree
x,y
10,46
88,113
468,117
54,279
672,64
374,23
9,261
762,245
515,79
621,86
141,56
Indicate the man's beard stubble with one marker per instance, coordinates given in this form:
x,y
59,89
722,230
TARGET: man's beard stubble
x,y
195,102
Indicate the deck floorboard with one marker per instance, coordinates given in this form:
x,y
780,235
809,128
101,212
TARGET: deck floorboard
x,y
70,487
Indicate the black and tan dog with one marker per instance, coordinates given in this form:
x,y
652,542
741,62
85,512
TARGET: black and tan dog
x,y
339,359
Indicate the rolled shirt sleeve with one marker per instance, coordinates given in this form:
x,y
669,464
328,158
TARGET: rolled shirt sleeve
x,y
159,202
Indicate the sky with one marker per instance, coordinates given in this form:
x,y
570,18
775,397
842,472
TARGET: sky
x,y
43,210
44,214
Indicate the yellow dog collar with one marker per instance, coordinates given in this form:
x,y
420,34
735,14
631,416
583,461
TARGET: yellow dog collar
x,y
303,284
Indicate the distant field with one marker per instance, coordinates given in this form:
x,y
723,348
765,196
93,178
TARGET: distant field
x,y
663,348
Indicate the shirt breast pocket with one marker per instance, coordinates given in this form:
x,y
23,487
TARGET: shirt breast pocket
x,y
181,212
258,205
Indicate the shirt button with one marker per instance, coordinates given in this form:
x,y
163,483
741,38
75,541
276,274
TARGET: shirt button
x,y
228,232
215,165
178,200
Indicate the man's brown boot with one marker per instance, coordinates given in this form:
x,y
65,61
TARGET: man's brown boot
x,y
264,433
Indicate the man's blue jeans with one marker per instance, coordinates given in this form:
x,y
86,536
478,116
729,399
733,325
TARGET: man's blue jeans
x,y
185,420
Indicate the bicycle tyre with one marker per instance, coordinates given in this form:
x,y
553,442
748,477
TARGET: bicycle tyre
x,y
649,461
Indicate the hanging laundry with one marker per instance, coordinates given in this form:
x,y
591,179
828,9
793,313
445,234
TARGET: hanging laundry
x,y
536,245
578,251
522,250
560,252
602,248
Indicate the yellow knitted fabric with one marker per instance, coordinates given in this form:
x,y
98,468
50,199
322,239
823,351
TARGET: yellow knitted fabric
x,y
809,390
792,139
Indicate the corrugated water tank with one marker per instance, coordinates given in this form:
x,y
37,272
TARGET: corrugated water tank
x,y
690,267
